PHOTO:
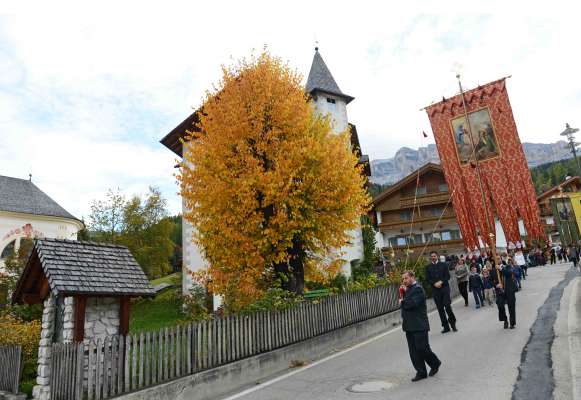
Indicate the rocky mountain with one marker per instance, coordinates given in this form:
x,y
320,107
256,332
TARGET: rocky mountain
x,y
406,160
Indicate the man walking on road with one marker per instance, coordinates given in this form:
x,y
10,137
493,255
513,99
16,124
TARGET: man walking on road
x,y
416,326
438,276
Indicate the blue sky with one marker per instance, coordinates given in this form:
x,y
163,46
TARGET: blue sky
x,y
87,90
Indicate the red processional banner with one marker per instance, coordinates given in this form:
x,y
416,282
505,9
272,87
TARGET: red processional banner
x,y
485,165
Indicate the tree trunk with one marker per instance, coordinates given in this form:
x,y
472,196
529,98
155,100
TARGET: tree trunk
x,y
292,273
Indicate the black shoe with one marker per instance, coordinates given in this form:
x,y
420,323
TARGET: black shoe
x,y
454,327
435,370
419,377
505,325
512,326
446,330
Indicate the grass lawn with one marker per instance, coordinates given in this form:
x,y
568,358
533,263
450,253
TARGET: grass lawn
x,y
159,312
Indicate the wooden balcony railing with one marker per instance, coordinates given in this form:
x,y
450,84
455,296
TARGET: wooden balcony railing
x,y
417,220
425,199
441,244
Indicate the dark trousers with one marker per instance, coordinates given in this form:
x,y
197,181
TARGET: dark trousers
x,y
478,296
420,352
510,301
463,287
442,300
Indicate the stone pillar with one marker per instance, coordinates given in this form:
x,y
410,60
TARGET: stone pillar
x,y
42,389
68,320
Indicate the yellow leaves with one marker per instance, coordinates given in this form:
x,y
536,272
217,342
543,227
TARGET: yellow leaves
x,y
264,170
16,332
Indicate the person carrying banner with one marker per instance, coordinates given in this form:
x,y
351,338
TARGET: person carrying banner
x,y
416,326
438,276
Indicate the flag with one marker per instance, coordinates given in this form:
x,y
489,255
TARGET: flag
x,y
500,157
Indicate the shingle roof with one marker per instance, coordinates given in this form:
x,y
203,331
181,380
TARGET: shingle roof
x,y
74,267
21,195
320,79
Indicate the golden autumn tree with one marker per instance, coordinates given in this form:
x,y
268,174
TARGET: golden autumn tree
x,y
269,186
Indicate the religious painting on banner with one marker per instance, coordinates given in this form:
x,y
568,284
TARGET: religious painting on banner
x,y
480,139
484,165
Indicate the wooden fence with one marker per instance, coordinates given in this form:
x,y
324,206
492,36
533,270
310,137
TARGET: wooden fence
x,y
116,365
11,362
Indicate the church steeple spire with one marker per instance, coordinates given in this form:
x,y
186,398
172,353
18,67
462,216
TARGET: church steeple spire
x,y
321,79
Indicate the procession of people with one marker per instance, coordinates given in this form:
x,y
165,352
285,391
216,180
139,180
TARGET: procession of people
x,y
493,281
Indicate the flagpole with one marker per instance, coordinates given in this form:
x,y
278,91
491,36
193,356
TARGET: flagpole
x,y
491,237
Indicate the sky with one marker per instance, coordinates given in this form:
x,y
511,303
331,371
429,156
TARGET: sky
x,y
87,89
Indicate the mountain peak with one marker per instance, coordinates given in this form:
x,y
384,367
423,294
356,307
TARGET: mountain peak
x,y
390,170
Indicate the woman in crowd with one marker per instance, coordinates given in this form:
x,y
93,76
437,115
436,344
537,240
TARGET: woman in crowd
x,y
461,271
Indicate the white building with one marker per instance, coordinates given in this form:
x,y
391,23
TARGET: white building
x,y
328,99
27,212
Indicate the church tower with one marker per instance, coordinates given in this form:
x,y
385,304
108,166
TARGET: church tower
x,y
327,96
329,99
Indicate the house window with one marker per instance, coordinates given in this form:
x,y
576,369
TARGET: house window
x,y
330,100
401,241
422,190
436,211
405,215
443,187
8,250
446,235
455,234
418,239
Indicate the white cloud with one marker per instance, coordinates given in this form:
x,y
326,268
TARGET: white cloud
x,y
87,91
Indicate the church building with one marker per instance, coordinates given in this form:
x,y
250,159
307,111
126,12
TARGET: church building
x,y
327,99
28,212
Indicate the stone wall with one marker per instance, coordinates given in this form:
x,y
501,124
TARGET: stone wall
x,y
101,317
42,389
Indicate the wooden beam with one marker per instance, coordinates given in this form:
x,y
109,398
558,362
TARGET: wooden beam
x,y
124,316
31,298
80,307
44,288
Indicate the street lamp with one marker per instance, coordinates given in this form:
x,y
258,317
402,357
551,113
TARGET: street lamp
x,y
569,134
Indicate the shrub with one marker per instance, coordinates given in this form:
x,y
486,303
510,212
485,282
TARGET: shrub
x,y
195,304
273,299
14,331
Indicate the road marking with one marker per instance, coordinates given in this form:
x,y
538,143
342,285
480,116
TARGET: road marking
x,y
321,361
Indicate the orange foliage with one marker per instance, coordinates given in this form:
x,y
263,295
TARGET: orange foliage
x,y
262,146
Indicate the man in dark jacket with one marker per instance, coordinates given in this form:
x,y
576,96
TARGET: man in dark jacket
x,y
416,326
438,276
506,288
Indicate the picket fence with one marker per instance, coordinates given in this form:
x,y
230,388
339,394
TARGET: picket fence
x,y
116,365
10,356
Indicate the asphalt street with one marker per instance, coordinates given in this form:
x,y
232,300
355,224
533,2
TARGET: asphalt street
x,y
480,361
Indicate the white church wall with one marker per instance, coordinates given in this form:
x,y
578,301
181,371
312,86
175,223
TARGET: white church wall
x,y
337,110
340,122
15,226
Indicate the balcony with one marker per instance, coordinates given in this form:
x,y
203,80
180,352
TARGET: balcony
x,y
425,199
438,245
448,216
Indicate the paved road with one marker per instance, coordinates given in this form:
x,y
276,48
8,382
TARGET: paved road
x,y
481,361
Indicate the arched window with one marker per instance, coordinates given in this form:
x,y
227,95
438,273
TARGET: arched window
x,y
8,250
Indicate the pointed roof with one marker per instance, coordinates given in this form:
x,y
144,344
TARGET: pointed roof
x,y
22,196
320,79
71,267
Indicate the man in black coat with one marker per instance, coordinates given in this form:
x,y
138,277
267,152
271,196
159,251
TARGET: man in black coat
x,y
506,289
416,326
438,276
